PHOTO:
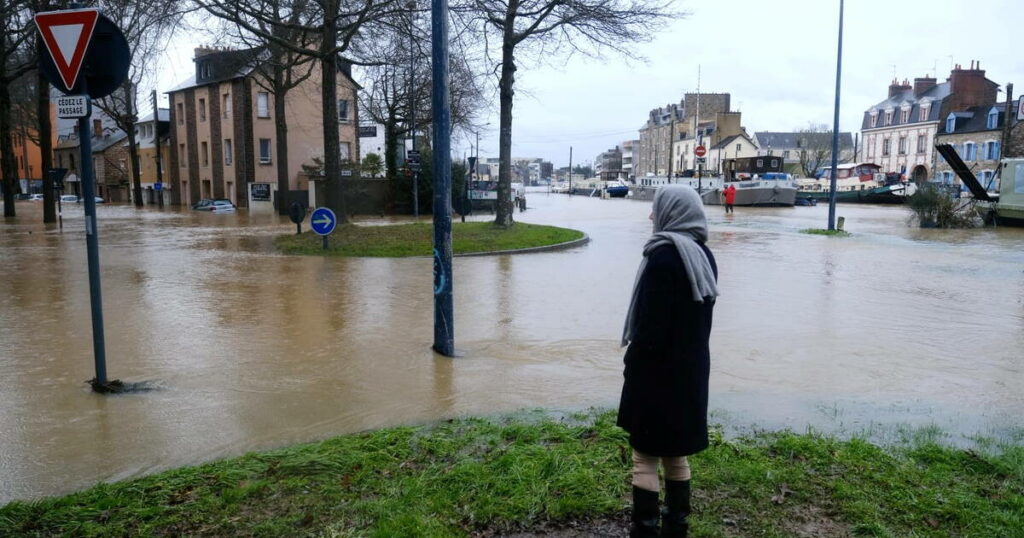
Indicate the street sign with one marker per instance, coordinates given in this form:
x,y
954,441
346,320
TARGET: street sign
x,y
66,35
103,66
701,160
158,186
73,106
323,221
700,151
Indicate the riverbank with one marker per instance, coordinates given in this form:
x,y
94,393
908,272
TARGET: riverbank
x,y
402,240
568,476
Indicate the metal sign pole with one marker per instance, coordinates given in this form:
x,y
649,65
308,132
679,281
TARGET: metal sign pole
x,y
444,329
92,246
835,128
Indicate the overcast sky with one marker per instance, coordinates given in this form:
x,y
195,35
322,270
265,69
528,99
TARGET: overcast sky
x,y
777,59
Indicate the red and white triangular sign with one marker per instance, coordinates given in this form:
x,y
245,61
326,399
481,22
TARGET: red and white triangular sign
x,y
67,35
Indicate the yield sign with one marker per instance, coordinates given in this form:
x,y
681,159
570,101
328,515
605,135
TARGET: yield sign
x,y
67,35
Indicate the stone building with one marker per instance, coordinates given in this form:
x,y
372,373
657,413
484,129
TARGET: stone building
x,y
977,135
791,145
110,166
608,164
899,133
671,123
223,135
147,133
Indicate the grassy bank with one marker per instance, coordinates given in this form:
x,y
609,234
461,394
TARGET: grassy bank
x,y
465,476
417,239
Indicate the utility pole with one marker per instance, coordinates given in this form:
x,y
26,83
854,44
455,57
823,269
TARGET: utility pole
x,y
444,324
570,170
159,162
835,127
700,136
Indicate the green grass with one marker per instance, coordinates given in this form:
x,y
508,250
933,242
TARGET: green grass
x,y
459,477
820,231
417,239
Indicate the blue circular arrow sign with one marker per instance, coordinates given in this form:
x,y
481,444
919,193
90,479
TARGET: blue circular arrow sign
x,y
323,221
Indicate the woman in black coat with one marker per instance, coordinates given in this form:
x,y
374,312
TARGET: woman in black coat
x,y
665,395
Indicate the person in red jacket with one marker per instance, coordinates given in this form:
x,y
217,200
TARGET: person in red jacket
x,y
729,196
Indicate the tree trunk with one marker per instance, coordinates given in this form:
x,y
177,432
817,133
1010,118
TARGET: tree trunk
x,y
329,100
503,211
45,147
10,171
391,147
133,145
281,134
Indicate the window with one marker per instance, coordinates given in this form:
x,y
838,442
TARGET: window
x,y
739,148
181,114
947,177
181,154
343,110
204,153
888,117
886,147
993,119
925,109
922,140
985,178
991,152
785,154
874,118
905,115
226,105
970,151
264,151
228,152
950,123
760,163
903,145
202,109
263,106
345,151
775,163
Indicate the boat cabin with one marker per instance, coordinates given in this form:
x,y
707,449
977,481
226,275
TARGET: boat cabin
x,y
745,167
862,171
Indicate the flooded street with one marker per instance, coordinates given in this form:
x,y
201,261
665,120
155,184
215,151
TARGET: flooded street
x,y
248,349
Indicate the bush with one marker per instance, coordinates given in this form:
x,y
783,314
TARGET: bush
x,y
935,207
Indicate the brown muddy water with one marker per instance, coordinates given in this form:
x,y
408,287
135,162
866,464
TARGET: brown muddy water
x,y
880,333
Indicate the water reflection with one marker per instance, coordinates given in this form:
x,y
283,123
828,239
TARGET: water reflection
x,y
252,349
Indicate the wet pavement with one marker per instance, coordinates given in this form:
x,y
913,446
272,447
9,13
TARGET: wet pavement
x,y
891,329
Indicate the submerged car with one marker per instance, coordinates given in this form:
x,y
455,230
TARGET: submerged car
x,y
220,205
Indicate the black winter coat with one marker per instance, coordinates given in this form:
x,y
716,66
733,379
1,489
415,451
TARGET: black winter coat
x,y
664,404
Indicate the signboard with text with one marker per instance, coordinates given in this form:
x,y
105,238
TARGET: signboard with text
x,y
73,106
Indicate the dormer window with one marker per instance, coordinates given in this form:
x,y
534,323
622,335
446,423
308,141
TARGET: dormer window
x,y
925,108
993,119
874,118
905,115
951,123
205,70
888,117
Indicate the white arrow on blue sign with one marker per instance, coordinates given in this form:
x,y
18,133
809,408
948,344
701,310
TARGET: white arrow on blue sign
x,y
323,221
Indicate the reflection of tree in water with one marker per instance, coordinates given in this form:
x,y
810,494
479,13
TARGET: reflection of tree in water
x,y
503,303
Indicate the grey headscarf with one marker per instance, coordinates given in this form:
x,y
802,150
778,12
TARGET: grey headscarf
x,y
678,220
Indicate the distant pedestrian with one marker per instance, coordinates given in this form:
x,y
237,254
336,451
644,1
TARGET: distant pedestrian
x,y
729,196
665,393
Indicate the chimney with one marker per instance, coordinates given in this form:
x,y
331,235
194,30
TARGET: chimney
x,y
897,88
969,88
199,52
97,128
922,85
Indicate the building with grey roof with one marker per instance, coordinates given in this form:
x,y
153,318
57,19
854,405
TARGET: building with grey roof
x,y
899,132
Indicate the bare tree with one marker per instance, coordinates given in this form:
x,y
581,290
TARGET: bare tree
x,y
147,26
336,25
815,148
544,29
397,80
16,61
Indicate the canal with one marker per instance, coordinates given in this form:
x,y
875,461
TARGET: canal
x,y
882,333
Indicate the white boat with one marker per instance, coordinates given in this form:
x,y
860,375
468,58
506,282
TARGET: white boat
x,y
772,189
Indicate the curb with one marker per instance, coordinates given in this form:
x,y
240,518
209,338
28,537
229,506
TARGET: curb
x,y
530,250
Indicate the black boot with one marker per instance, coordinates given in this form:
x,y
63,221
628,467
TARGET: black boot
x,y
677,508
645,513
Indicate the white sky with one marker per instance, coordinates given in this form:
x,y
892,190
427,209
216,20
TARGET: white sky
x,y
777,59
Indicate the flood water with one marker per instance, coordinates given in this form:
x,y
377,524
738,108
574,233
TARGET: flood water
x,y
248,349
